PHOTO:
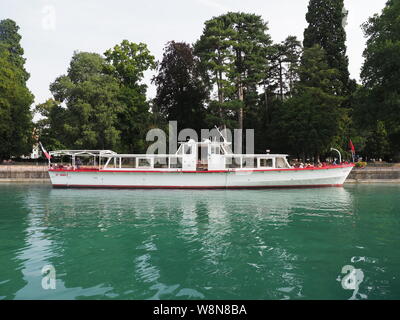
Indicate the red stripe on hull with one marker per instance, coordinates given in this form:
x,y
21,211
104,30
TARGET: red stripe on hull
x,y
196,187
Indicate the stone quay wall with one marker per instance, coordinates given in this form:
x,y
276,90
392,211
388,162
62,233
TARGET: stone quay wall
x,y
24,173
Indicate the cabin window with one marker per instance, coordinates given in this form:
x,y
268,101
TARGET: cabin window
x,y
266,163
161,162
128,162
215,150
249,162
232,162
281,163
144,163
175,163
180,150
187,149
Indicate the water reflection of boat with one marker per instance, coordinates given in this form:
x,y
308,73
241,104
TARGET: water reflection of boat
x,y
220,236
187,244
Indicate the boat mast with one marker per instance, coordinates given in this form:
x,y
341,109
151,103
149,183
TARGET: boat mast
x,y
221,134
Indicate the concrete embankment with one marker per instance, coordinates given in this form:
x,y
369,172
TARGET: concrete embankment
x,y
38,173
375,175
24,173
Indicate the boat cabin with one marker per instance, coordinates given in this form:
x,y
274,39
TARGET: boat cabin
x,y
190,156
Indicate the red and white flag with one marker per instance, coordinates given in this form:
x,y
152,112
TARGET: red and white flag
x,y
44,151
351,147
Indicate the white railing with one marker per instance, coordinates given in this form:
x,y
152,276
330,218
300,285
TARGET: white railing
x,y
144,161
255,161
168,161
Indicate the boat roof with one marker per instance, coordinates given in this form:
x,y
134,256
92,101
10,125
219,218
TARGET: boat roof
x,y
82,153
191,142
108,154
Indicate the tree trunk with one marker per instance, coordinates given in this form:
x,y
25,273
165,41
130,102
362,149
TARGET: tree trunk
x,y
220,96
266,104
280,80
240,97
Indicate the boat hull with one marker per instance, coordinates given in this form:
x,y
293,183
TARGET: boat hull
x,y
275,178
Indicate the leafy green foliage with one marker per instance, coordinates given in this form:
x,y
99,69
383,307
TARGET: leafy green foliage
x,y
100,103
308,122
233,51
90,97
10,41
51,124
298,100
326,28
378,143
127,63
379,99
181,92
16,127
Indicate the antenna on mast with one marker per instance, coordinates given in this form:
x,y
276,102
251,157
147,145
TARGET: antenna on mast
x,y
226,144
221,134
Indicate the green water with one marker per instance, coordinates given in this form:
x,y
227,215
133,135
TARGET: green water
x,y
179,244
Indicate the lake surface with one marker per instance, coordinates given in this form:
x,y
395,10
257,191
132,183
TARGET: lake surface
x,y
182,244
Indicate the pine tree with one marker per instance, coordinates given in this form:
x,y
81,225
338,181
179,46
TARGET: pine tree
x,y
326,19
381,75
308,123
282,70
233,49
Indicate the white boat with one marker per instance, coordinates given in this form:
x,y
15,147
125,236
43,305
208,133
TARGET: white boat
x,y
197,165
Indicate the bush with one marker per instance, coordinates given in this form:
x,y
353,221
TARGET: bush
x,y
361,164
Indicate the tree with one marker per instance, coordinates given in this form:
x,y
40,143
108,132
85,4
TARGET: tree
x,y
100,103
127,62
278,83
381,73
377,143
308,123
181,92
10,41
326,28
292,51
214,50
282,70
233,49
251,44
16,128
51,125
89,120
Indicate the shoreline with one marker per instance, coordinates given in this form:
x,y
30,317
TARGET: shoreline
x,y
372,181
39,174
